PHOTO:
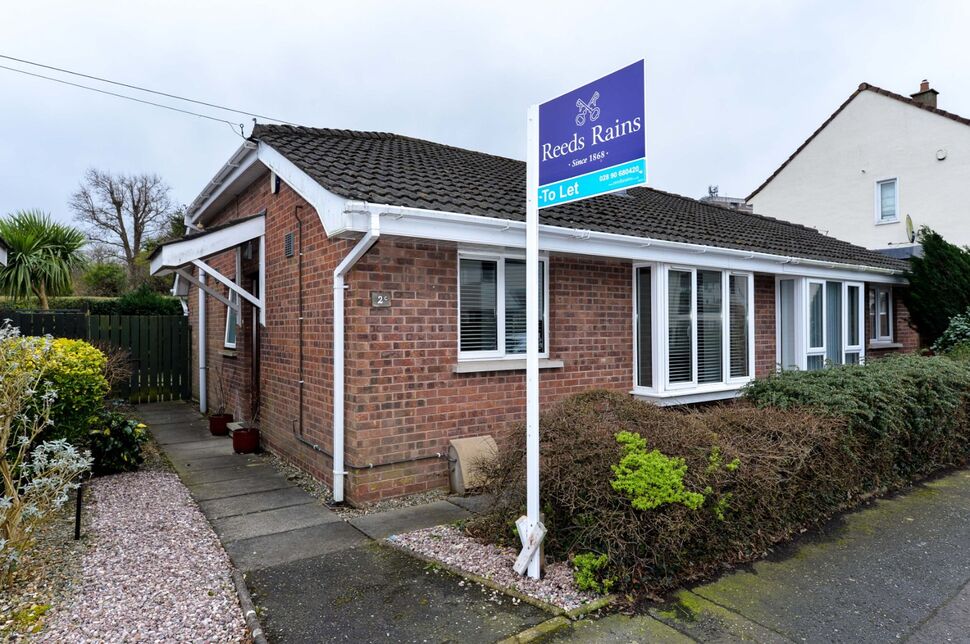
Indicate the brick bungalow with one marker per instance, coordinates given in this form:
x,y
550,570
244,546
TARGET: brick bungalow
x,y
389,270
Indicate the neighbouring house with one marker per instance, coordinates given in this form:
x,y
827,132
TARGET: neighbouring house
x,y
364,293
3,252
877,169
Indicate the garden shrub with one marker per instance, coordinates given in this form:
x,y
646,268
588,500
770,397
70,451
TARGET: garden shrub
x,y
801,447
116,443
145,301
75,370
36,478
957,332
764,473
909,412
588,571
154,304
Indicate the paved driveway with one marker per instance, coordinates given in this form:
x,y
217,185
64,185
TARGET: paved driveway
x,y
314,576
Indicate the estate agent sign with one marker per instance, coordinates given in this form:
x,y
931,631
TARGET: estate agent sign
x,y
591,140
585,143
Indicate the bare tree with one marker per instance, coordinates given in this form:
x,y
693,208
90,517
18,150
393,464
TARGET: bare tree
x,y
122,211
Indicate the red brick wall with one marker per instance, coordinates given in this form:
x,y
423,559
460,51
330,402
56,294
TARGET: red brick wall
x,y
279,339
403,398
765,356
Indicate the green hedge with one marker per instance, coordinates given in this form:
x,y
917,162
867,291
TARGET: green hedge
x,y
131,304
670,496
910,410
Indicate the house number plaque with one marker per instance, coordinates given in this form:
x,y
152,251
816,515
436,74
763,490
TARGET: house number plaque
x,y
380,299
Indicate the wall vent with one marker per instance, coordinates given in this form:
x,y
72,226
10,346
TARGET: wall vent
x,y
288,245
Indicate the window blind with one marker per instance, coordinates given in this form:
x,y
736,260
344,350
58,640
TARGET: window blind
x,y
679,327
887,200
515,301
710,329
833,322
738,326
815,321
644,329
478,303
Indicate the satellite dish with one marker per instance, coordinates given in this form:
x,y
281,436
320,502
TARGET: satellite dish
x,y
910,233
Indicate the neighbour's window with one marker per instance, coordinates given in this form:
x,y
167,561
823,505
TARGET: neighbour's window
x,y
887,201
492,307
881,313
705,327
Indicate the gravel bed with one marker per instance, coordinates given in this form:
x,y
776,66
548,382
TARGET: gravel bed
x,y
155,572
320,491
46,576
450,546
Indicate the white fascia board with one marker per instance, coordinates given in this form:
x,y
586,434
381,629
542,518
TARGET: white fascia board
x,y
180,253
330,207
239,164
488,231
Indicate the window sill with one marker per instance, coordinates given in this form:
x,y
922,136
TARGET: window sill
x,y
884,222
502,364
885,345
228,353
688,396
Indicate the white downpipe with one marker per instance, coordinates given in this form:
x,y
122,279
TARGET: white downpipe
x,y
358,251
203,402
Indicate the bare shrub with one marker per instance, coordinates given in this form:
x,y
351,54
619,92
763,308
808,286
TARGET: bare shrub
x,y
764,473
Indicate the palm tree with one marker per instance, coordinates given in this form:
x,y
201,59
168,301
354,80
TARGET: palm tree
x,y
41,256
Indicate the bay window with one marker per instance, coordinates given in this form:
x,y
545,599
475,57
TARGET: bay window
x,y
694,327
491,306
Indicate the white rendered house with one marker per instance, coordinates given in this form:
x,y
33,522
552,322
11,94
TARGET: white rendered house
x,y
878,168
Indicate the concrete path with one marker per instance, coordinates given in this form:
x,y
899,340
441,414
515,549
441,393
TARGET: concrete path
x,y
316,577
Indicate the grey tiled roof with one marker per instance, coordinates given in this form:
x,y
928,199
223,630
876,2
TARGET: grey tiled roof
x,y
391,169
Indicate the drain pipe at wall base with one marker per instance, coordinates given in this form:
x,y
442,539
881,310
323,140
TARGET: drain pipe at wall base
x,y
358,251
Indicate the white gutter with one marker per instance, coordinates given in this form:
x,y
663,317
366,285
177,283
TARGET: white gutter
x,y
553,233
358,251
203,403
226,174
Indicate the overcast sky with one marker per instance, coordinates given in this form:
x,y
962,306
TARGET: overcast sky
x,y
732,87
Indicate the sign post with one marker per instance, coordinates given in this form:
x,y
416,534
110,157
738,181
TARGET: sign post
x,y
585,143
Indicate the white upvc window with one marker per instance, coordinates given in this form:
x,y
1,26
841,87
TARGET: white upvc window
x,y
492,306
819,322
233,321
881,314
887,201
693,330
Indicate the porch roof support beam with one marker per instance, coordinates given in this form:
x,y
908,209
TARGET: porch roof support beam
x,y
188,277
232,286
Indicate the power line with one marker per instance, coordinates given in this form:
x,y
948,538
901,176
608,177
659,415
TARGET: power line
x,y
144,89
129,98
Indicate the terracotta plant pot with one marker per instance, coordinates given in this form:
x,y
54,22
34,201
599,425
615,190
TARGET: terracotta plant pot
x,y
245,441
219,424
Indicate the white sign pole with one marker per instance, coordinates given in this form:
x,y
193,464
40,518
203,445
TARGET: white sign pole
x,y
531,540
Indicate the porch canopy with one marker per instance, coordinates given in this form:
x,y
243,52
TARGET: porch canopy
x,y
187,255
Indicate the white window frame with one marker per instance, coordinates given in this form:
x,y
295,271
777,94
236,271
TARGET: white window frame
x,y
234,299
665,329
662,387
860,323
803,320
499,258
811,351
876,337
879,219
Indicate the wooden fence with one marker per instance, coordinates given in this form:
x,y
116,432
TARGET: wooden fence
x,y
158,346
